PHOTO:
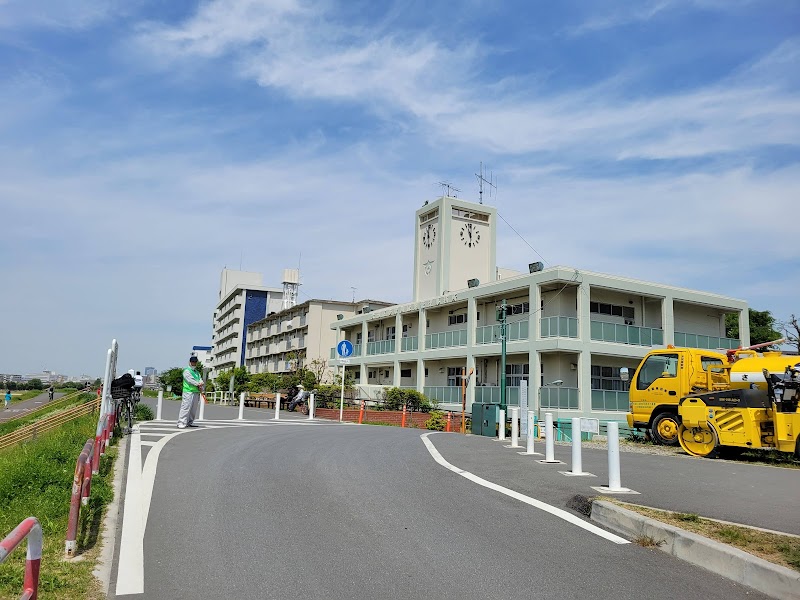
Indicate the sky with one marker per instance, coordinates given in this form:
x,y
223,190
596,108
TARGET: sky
x,y
145,145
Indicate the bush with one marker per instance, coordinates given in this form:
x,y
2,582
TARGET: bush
x,y
396,398
436,421
144,413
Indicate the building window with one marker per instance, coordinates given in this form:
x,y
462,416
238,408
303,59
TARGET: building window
x,y
406,329
426,371
371,375
390,332
607,378
454,376
614,310
520,309
357,376
370,335
358,337
386,374
515,374
405,373
456,319
428,216
470,214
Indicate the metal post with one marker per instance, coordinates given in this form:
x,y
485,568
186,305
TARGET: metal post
x,y
277,406
614,483
311,402
529,435
501,426
549,443
514,410
503,331
241,406
577,466
341,401
158,406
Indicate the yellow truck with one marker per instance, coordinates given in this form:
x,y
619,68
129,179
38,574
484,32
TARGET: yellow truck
x,y
667,376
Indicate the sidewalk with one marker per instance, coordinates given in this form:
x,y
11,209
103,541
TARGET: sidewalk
x,y
20,408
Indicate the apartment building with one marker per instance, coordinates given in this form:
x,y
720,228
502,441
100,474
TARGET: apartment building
x,y
569,330
294,337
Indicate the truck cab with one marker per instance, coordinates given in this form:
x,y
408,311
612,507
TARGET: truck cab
x,y
663,378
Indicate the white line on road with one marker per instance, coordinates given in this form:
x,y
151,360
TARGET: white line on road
x,y
556,512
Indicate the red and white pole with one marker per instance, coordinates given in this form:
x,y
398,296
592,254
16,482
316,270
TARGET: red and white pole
x,y
31,529
449,419
75,500
403,422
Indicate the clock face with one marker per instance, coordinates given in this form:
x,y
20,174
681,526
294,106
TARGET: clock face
x,y
429,236
470,235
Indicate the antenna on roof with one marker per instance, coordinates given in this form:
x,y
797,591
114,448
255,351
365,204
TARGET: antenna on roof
x,y
489,182
448,187
354,294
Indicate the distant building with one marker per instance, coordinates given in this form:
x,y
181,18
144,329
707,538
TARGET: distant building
x,y
243,299
148,371
204,355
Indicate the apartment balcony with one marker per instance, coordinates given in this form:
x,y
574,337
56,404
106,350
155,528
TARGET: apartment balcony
x,y
443,394
610,400
558,398
409,344
558,327
626,334
446,339
490,334
380,347
695,340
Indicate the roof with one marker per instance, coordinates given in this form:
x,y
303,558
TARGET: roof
x,y
358,303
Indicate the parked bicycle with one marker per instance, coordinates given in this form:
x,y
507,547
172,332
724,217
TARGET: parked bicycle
x,y
125,406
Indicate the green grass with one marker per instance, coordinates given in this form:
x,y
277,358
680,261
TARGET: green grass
x,y
26,395
36,480
46,411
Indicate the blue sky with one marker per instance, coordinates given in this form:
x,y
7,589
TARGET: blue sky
x,y
146,145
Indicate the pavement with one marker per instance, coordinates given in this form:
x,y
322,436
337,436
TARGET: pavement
x,y
18,409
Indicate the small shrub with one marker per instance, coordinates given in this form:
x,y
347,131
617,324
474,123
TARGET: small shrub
x,y
647,541
395,398
143,413
689,518
436,421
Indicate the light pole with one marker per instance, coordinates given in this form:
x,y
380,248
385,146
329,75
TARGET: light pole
x,y
501,316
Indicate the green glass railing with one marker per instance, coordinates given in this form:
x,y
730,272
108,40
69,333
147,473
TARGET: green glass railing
x,y
490,334
626,334
409,344
610,400
443,394
379,347
695,340
492,394
562,398
446,339
356,351
559,327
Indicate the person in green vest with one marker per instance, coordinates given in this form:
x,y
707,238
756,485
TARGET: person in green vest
x,y
192,386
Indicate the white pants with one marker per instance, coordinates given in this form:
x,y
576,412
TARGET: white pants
x,y
189,404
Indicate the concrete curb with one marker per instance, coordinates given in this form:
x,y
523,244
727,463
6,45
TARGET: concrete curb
x,y
734,564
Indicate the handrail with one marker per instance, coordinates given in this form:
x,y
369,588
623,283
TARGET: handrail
x,y
29,528
30,431
81,488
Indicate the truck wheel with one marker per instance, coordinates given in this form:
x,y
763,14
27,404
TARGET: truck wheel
x,y
665,429
700,441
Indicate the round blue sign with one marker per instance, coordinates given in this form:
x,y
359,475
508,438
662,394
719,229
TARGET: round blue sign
x,y
344,348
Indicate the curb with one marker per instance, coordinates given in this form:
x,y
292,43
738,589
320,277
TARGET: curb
x,y
729,562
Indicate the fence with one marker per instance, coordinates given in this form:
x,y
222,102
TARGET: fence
x,y
29,432
30,529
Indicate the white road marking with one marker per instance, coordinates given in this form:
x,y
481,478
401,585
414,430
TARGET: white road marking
x,y
148,443
555,511
130,573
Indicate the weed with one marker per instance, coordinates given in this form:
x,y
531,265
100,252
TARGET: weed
x,y
687,517
144,413
647,541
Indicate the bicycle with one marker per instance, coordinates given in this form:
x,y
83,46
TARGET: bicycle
x,y
125,405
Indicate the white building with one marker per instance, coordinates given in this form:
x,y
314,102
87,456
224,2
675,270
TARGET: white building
x,y
243,299
569,330
297,336
204,356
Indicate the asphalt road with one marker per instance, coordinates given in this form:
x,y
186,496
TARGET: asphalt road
x,y
18,409
334,511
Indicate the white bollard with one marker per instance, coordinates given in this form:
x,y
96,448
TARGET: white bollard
x,y
158,406
514,410
614,483
277,407
501,426
577,467
311,407
531,422
241,406
549,442
202,406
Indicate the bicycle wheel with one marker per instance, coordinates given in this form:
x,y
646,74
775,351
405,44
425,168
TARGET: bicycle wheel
x,y
304,408
129,414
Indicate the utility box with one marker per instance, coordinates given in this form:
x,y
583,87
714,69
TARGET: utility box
x,y
484,418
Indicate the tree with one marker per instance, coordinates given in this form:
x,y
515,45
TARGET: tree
x,y
762,326
241,379
791,331
172,377
319,367
35,384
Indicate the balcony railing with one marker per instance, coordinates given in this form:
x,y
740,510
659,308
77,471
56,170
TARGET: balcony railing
x,y
626,334
380,347
443,394
492,394
446,339
562,398
490,334
694,340
356,351
610,400
558,327
409,344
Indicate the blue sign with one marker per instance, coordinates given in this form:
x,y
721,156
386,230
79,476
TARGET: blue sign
x,y
344,348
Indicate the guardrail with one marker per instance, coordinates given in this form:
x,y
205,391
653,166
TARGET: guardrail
x,y
29,432
81,488
30,529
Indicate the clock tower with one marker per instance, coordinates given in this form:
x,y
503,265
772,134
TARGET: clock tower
x,y
454,242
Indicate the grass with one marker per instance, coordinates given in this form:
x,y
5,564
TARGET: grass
x,y
779,549
26,395
46,411
36,480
